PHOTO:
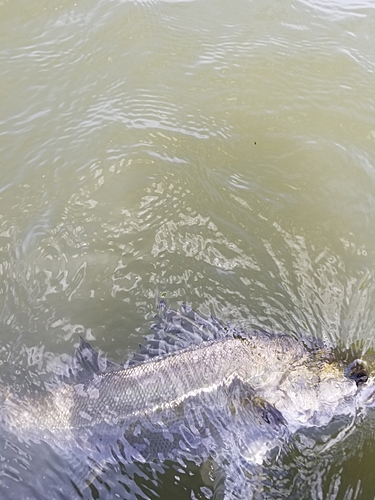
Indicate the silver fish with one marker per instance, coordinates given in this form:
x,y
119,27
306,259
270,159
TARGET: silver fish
x,y
195,388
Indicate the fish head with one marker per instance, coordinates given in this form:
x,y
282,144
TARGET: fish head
x,y
358,370
363,374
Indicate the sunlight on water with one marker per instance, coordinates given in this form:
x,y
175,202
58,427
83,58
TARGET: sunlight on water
x,y
216,154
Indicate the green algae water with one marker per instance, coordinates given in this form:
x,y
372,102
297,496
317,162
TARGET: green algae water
x,y
219,154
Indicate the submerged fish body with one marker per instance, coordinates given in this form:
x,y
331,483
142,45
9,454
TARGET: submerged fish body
x,y
196,389
158,389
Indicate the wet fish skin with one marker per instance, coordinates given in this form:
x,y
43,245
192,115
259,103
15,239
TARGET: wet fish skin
x,y
119,396
301,384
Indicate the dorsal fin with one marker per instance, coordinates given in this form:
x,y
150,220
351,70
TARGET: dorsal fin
x,y
87,362
173,331
91,361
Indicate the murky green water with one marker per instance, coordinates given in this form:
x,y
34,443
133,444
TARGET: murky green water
x,y
216,153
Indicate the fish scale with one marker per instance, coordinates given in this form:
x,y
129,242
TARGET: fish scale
x,y
159,382
196,388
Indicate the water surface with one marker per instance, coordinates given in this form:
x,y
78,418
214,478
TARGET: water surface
x,y
209,152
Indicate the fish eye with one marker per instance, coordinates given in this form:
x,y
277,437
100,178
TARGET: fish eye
x,y
357,371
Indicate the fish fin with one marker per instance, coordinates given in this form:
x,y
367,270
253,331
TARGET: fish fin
x,y
174,330
213,476
92,361
86,362
241,396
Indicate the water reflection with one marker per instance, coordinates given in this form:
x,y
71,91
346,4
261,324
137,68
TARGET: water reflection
x,y
217,154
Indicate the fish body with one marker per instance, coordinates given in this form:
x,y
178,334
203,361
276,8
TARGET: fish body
x,y
158,389
165,381
198,388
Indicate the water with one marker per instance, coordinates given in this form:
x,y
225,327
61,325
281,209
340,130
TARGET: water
x,y
214,153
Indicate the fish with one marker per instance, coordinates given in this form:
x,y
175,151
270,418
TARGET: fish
x,y
195,389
